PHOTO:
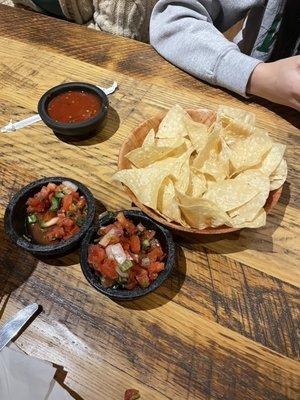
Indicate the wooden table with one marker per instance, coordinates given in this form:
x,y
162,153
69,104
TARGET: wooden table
x,y
226,324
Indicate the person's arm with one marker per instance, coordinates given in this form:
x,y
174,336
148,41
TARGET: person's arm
x,y
129,18
277,81
188,34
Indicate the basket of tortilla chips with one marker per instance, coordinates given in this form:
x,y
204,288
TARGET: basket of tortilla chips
x,y
201,171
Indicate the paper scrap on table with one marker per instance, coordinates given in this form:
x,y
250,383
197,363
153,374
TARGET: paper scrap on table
x,y
23,377
13,126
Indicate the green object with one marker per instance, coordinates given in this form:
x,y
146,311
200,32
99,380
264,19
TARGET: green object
x,y
126,265
54,204
32,218
79,221
50,6
145,244
47,224
271,35
59,195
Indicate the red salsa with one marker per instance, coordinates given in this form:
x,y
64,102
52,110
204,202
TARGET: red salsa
x,y
126,256
55,213
74,106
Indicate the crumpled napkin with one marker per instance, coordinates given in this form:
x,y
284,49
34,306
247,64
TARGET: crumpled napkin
x,y
27,378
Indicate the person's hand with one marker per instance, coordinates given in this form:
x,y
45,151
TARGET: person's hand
x,y
277,81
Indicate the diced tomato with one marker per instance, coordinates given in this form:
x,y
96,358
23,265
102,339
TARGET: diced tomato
x,y
108,268
66,222
148,234
116,226
106,282
96,254
44,192
126,223
125,243
51,186
143,278
75,195
55,232
131,285
81,203
135,257
35,205
155,254
71,232
114,240
135,244
131,394
48,215
155,267
66,202
152,277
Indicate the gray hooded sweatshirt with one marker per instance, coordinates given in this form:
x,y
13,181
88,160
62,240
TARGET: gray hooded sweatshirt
x,y
188,34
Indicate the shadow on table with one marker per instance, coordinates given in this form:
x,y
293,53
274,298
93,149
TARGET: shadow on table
x,y
16,266
74,258
111,126
289,114
256,239
166,292
60,377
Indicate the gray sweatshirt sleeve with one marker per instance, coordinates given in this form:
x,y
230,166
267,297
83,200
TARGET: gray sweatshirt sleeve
x,y
188,34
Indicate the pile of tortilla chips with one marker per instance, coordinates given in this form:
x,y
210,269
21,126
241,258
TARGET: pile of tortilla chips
x,y
207,176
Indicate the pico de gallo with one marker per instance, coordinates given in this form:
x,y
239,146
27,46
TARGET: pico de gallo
x,y
125,255
132,394
55,213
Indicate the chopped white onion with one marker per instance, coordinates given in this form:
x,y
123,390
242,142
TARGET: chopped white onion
x,y
109,252
49,223
118,253
70,185
145,261
106,238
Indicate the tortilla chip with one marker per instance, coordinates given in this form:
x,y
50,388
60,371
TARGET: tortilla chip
x,y
236,114
278,177
167,203
250,151
216,166
201,213
230,193
197,183
197,132
272,159
150,138
148,154
173,124
258,221
250,210
182,179
213,143
145,182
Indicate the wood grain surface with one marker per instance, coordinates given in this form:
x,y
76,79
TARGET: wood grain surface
x,y
226,324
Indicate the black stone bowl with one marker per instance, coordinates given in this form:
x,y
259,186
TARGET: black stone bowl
x,y
162,234
15,220
79,130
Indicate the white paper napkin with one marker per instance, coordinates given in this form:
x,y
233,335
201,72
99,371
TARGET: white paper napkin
x,y
27,378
